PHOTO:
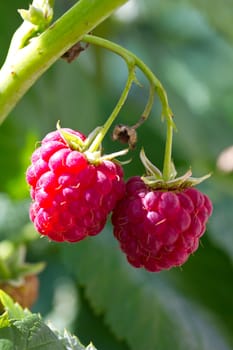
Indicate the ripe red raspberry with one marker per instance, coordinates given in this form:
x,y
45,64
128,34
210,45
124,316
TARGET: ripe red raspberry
x,y
72,196
159,229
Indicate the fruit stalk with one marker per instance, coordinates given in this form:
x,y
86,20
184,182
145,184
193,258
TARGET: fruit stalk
x,y
167,165
155,86
132,59
131,78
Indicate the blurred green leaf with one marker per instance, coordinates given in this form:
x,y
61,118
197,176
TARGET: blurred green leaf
x,y
220,18
14,310
207,279
13,216
88,322
6,344
141,308
221,224
218,14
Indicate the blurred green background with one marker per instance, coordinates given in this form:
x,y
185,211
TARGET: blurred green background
x,y
88,287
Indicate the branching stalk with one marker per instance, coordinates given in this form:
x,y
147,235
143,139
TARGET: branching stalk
x,y
155,86
131,58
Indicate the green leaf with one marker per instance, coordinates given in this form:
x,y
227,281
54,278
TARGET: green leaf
x,y
31,333
90,347
12,335
28,331
38,334
14,310
13,215
4,320
221,224
89,325
199,277
6,344
140,307
220,18
70,341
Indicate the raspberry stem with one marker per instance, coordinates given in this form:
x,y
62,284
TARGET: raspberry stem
x,y
97,141
150,103
130,59
167,163
155,86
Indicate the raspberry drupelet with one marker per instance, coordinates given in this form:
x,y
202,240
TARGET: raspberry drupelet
x,y
72,196
159,229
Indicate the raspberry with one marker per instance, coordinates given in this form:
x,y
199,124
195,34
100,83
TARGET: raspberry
x,y
72,196
158,229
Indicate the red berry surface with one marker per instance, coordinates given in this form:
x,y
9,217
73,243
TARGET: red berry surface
x,y
159,229
71,197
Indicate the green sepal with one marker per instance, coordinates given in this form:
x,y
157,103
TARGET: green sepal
x,y
13,267
116,154
155,179
150,168
178,183
71,140
173,171
91,138
94,157
193,181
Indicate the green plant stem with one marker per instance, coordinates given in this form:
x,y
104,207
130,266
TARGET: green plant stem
x,y
131,78
149,104
131,58
155,85
167,163
18,74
